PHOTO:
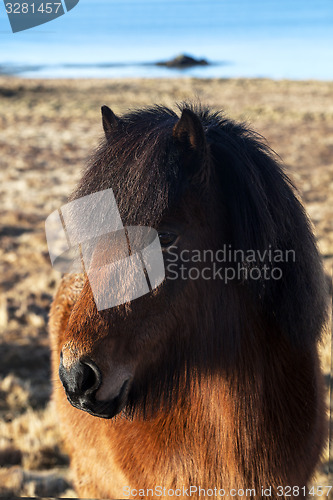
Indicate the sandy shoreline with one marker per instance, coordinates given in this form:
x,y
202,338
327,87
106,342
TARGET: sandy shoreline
x,y
48,129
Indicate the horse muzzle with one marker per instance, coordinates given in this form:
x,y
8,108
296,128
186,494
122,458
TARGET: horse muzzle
x,y
82,381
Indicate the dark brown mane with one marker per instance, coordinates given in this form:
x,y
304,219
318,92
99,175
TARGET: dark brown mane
x,y
149,179
258,202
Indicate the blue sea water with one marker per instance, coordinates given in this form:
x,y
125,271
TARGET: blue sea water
x,y
121,38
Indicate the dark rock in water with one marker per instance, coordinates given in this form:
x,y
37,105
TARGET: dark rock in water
x,y
183,61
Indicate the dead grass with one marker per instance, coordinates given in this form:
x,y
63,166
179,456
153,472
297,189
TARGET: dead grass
x,y
48,130
31,460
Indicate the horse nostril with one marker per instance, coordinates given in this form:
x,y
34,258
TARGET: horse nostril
x,y
91,378
81,379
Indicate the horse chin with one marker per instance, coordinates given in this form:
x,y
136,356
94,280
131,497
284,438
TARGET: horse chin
x,y
102,409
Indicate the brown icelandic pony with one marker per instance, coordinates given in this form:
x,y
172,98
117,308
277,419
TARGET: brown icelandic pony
x,y
200,382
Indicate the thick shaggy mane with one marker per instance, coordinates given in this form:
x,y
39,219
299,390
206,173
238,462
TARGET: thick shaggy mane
x,y
259,208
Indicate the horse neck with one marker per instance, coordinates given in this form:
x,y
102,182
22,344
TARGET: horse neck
x,y
189,432
225,419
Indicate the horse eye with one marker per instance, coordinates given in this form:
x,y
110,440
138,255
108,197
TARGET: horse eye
x,y
167,239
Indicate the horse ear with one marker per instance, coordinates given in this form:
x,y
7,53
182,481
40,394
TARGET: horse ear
x,y
190,136
189,132
110,121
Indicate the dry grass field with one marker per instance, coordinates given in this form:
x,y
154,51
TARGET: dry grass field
x,y
47,131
